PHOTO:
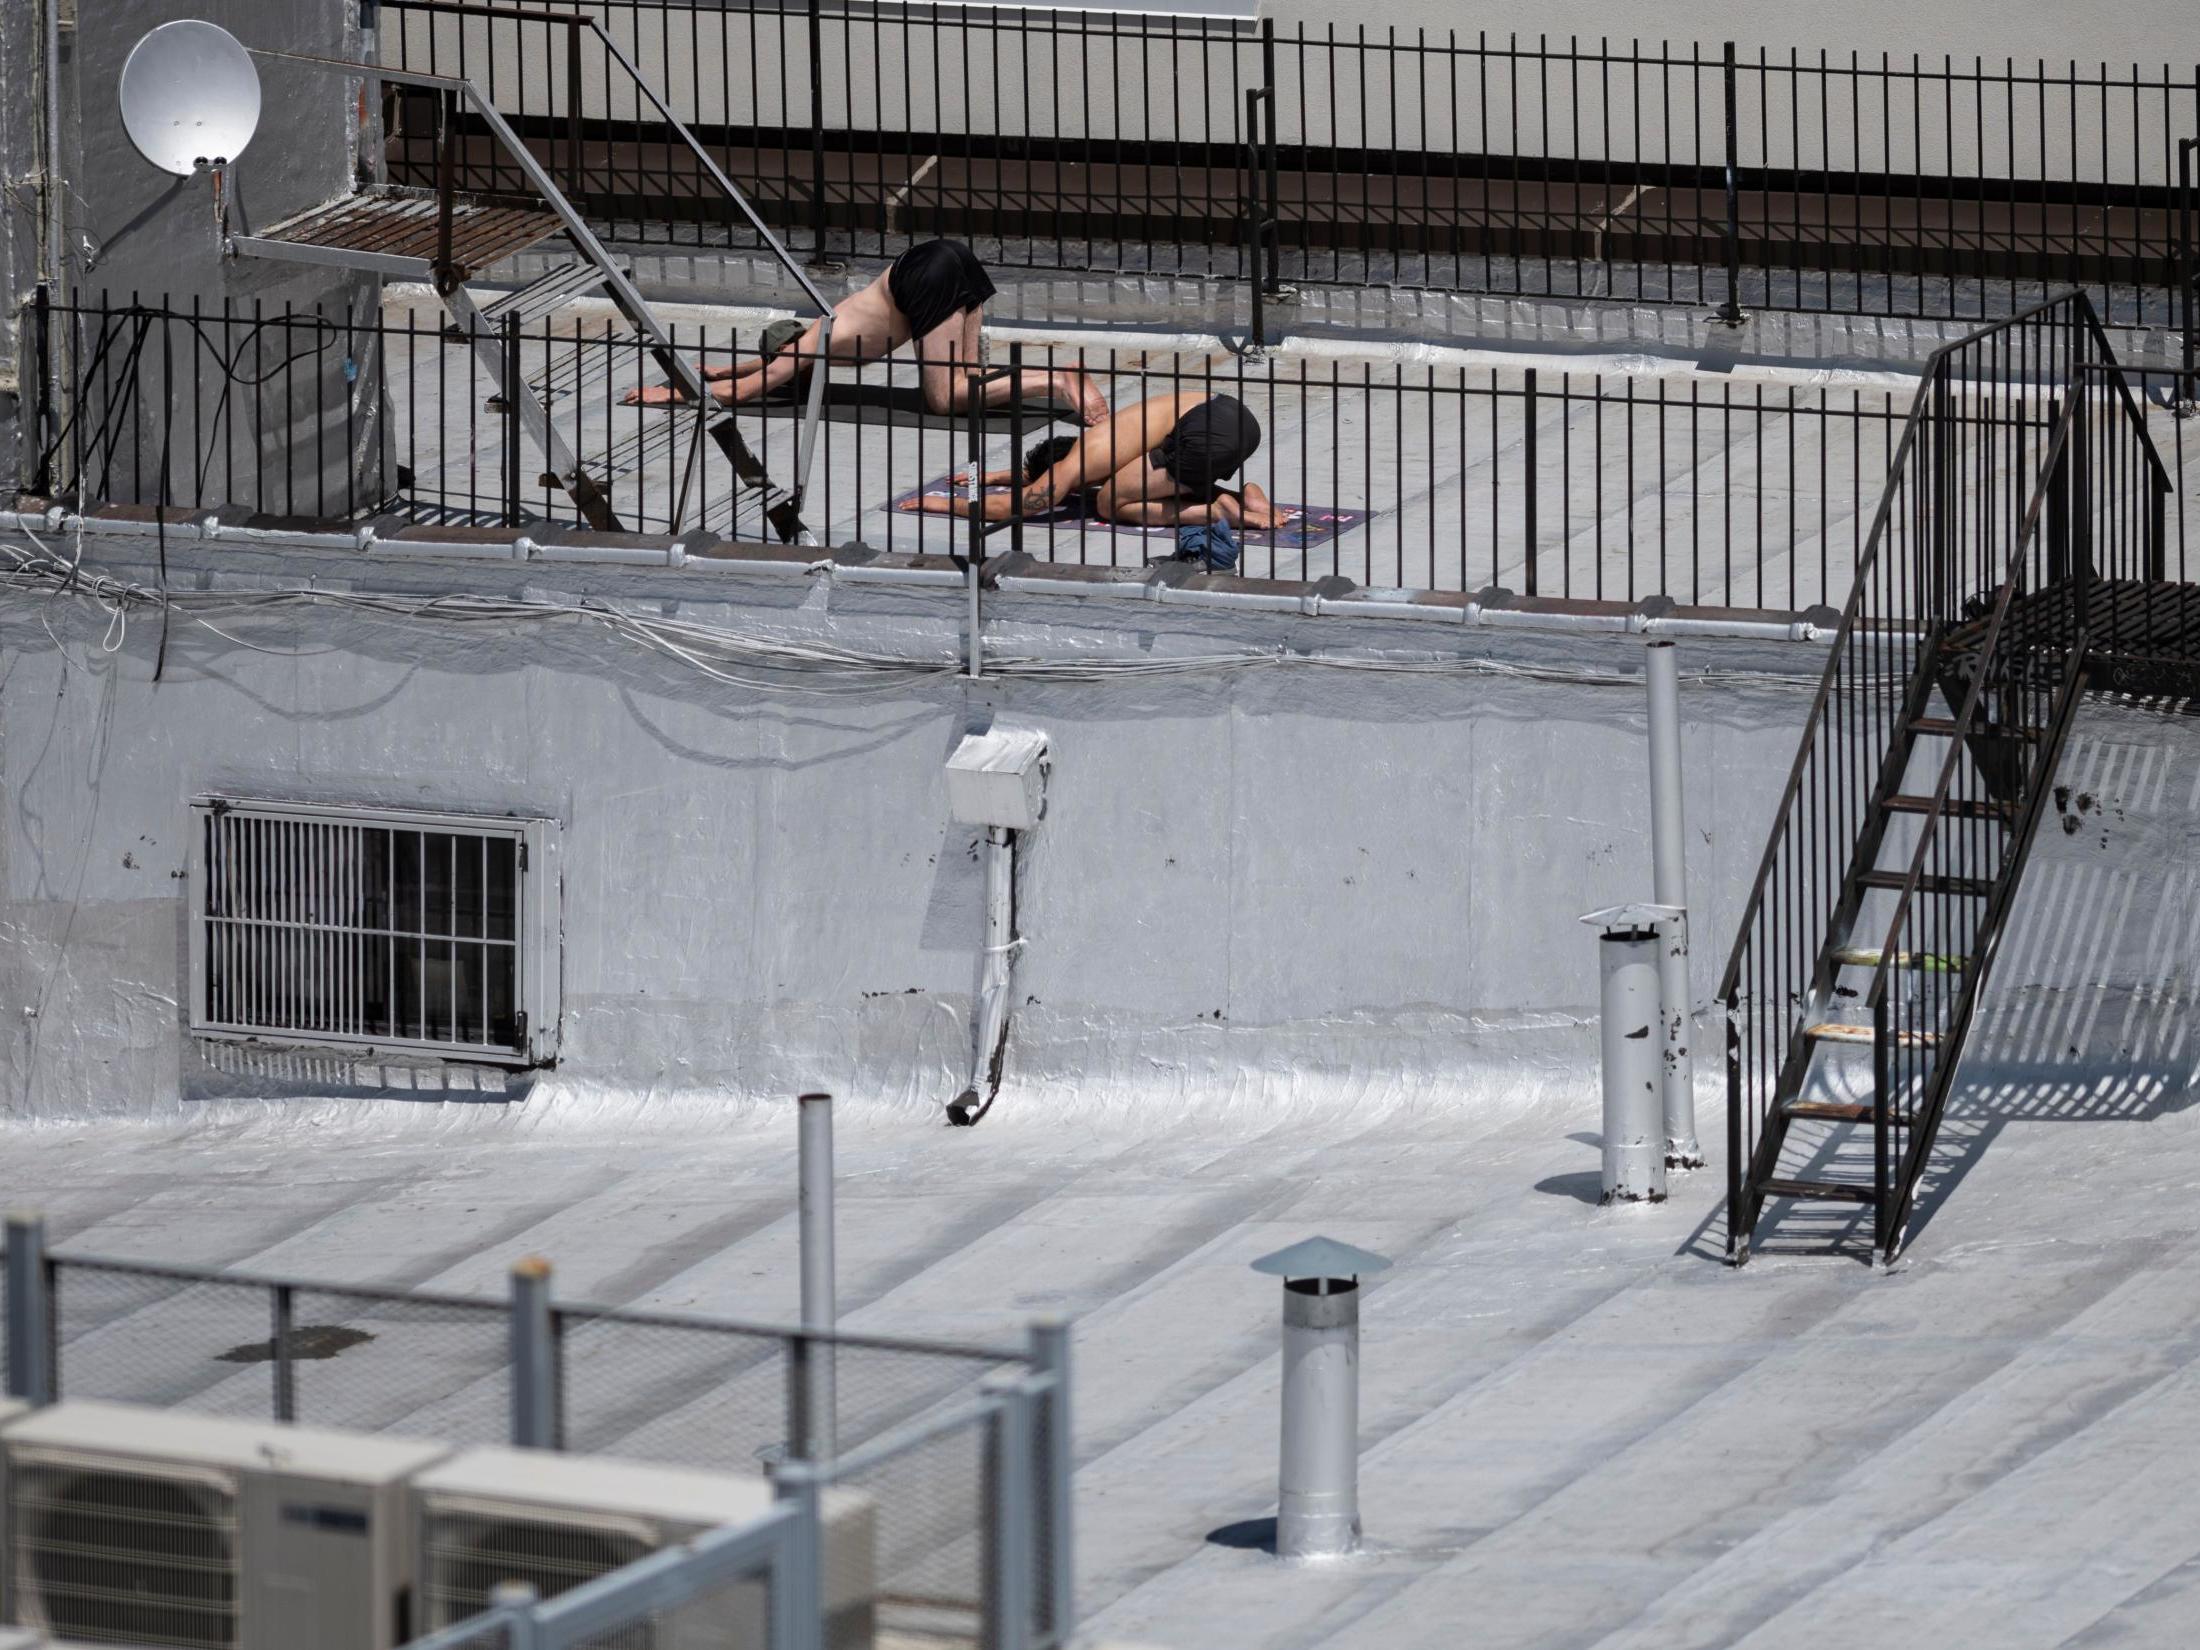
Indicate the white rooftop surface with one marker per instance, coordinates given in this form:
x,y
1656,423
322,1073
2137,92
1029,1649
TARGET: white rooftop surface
x,y
1579,1427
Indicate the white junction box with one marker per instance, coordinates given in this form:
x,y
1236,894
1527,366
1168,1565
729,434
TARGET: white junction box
x,y
999,778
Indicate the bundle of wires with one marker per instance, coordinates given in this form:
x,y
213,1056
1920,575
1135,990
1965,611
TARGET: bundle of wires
x,y
745,658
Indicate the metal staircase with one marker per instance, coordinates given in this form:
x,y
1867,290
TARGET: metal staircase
x,y
2021,517
452,239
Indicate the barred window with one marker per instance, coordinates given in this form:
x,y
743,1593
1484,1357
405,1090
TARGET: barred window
x,y
380,929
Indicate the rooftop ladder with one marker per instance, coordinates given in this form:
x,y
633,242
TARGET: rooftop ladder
x,y
450,239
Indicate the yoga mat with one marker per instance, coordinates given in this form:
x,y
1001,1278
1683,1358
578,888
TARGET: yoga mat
x,y
1308,529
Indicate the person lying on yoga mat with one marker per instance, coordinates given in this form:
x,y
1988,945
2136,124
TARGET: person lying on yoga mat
x,y
1158,464
935,294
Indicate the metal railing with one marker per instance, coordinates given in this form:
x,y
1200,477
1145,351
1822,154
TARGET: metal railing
x,y
2025,469
1730,177
1005,1535
1710,491
964,1450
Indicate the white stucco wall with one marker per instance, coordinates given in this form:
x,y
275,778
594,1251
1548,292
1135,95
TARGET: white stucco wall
x,y
1263,887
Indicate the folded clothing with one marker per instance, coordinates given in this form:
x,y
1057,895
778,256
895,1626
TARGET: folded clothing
x,y
1210,543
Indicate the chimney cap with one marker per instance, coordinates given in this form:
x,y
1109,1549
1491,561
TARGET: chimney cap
x,y
1321,1257
1639,914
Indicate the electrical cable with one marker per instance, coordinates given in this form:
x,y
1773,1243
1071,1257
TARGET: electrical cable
x,y
770,664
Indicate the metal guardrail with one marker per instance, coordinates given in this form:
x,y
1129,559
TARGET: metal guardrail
x,y
964,1449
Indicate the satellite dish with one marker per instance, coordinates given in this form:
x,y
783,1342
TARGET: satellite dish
x,y
190,97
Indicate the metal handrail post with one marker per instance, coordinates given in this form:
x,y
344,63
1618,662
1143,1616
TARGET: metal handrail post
x,y
282,1310
533,1383
798,1603
1730,312
1050,1361
1255,266
30,1322
1008,1517
814,1141
2188,278
446,190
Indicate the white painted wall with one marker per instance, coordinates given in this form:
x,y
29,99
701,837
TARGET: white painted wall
x,y
1261,889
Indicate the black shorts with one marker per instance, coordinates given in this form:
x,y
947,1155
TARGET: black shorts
x,y
932,282
1209,445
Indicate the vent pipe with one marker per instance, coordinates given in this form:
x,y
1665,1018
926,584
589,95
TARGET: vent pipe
x,y
1669,887
1634,1108
1318,1475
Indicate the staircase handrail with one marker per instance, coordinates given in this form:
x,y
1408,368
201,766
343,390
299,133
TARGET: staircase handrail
x,y
784,510
1935,376
582,20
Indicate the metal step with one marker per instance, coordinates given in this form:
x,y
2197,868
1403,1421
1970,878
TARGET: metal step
x,y
1830,1191
582,364
1924,962
1945,727
1854,1036
1838,1111
545,295
398,234
1955,807
1970,887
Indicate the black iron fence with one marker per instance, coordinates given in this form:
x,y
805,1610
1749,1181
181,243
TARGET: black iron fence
x,y
1728,177
1708,489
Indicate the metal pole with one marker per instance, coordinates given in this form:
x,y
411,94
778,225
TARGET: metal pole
x,y
1669,877
1254,270
1318,1499
1730,312
41,478
1529,460
1008,1516
521,1630
30,1322
534,1391
283,1308
972,569
2188,278
1057,1461
1634,1155
511,393
1016,445
817,133
798,1607
819,1313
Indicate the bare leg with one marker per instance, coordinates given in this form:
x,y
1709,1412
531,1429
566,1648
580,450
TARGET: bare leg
x,y
947,387
866,325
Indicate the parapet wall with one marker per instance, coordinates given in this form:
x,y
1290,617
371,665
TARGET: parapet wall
x,y
1338,864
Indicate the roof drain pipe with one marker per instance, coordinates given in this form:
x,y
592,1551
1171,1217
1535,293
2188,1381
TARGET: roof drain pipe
x,y
996,779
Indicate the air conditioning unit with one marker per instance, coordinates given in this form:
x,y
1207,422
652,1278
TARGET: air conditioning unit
x,y
156,1527
489,1516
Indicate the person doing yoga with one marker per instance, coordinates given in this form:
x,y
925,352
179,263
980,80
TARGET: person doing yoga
x,y
1160,463
934,293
